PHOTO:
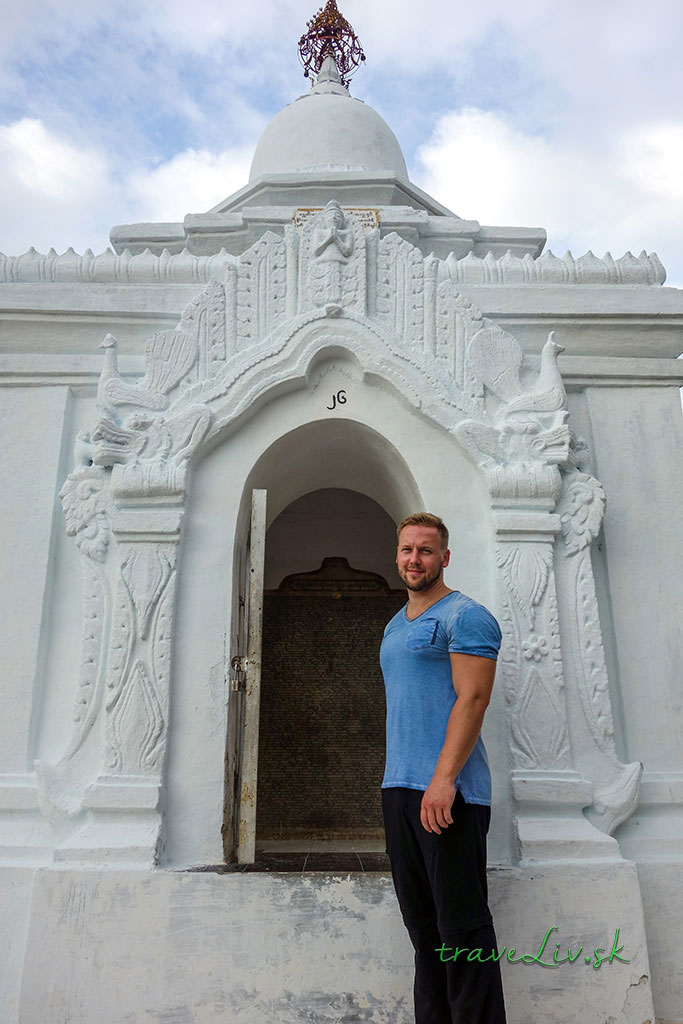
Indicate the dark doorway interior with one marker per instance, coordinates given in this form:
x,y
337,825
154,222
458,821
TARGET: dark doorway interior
x,y
321,737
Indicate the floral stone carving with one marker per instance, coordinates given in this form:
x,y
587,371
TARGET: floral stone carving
x,y
581,508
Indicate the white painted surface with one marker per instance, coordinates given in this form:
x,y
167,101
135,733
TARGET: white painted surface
x,y
658,881
15,900
393,329
638,434
30,476
326,130
257,948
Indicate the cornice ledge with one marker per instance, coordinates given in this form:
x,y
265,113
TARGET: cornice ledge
x,y
588,269
111,268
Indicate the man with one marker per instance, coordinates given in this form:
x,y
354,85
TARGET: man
x,y
438,658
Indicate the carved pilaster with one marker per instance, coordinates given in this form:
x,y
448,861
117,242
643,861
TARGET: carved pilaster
x,y
85,502
532,658
137,695
87,508
123,820
522,445
146,433
549,792
581,509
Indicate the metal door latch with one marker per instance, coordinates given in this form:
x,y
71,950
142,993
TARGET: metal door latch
x,y
238,667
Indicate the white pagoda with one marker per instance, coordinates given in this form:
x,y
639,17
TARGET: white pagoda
x,y
209,433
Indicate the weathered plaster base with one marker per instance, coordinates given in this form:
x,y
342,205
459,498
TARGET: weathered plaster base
x,y
587,902
15,897
661,884
195,948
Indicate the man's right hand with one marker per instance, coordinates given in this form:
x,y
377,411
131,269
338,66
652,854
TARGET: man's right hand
x,y
435,810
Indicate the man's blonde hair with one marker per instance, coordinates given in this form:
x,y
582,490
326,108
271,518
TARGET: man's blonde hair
x,y
426,519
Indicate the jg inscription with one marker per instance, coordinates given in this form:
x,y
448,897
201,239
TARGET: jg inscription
x,y
338,399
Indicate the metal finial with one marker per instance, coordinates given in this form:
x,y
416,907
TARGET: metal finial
x,y
330,35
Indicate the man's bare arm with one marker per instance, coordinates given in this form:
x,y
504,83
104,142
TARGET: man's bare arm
x,y
473,682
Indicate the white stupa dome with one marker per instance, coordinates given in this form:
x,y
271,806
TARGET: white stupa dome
x,y
327,130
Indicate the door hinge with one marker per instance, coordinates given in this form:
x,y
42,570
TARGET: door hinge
x,y
238,667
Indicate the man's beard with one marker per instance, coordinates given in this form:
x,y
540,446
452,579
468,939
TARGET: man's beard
x,y
423,582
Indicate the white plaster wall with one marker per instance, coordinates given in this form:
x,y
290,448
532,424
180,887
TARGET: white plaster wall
x,y
196,948
638,438
65,626
130,311
446,482
146,945
32,429
661,885
638,435
15,898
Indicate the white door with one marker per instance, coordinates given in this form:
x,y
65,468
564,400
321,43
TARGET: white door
x,y
245,695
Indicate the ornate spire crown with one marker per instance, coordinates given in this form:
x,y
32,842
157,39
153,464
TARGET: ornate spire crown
x,y
330,35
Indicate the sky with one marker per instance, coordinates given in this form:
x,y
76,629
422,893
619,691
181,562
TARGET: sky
x,y
566,116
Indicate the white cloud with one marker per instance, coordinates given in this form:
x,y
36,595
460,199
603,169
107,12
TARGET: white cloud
x,y
46,165
51,191
195,27
192,182
54,193
622,195
565,117
654,159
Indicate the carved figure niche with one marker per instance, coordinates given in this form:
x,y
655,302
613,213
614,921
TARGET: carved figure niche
x,y
321,745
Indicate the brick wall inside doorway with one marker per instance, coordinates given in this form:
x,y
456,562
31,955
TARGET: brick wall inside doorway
x,y
321,740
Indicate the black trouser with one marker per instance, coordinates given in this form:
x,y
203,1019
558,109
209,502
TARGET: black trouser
x,y
440,882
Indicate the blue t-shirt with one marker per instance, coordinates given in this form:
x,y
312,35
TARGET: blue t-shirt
x,y
419,689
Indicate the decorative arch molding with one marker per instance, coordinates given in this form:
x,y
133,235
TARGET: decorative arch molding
x,y
289,359
283,307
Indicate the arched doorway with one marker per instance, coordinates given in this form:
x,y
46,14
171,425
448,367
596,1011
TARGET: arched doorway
x,y
349,458
394,455
331,587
